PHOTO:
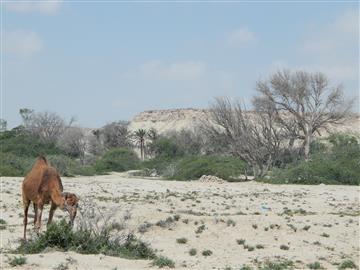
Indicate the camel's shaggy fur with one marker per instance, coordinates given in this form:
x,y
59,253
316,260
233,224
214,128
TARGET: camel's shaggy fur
x,y
42,185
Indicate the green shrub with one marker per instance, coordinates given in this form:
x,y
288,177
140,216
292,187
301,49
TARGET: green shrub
x,y
315,265
337,164
166,148
192,252
284,247
62,163
163,262
278,265
118,160
347,264
15,261
19,152
207,253
190,168
20,143
182,240
12,165
2,224
85,170
240,241
246,267
60,235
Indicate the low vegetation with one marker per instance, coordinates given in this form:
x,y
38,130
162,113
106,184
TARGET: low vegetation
x,y
15,261
118,160
207,253
276,265
61,236
163,262
331,163
347,264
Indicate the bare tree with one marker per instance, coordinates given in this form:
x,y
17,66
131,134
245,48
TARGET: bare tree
x,y
191,141
73,142
96,144
304,103
116,134
252,136
26,115
152,134
48,126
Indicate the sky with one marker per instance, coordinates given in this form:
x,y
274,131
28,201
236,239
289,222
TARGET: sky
x,y
107,61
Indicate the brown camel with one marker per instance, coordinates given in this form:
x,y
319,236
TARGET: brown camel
x,y
42,185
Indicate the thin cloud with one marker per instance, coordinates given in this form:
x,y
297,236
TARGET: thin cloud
x,y
338,73
22,43
344,31
47,8
240,37
157,70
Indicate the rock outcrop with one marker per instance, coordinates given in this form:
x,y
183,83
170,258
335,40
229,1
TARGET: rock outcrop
x,y
169,120
177,119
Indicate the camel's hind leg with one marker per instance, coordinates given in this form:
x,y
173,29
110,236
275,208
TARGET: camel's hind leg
x,y
51,213
35,213
26,208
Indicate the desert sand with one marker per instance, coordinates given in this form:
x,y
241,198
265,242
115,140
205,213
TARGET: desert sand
x,y
266,216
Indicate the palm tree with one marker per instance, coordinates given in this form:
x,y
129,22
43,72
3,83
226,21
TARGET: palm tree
x,y
140,139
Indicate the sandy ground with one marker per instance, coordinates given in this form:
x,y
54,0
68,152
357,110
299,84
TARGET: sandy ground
x,y
262,214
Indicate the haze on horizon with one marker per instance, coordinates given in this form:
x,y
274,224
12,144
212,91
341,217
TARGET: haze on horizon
x,y
103,62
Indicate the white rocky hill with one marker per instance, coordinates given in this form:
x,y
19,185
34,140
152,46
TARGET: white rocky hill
x,y
177,119
169,120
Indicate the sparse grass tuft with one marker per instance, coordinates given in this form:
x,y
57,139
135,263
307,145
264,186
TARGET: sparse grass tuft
x,y
240,241
249,248
207,253
279,265
62,266
15,261
143,228
246,267
200,229
165,223
230,222
2,224
182,240
347,264
163,262
192,252
315,265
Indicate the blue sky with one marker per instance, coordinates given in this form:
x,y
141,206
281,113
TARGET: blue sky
x,y
103,62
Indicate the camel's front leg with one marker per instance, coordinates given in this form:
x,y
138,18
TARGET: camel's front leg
x,y
51,213
40,206
35,212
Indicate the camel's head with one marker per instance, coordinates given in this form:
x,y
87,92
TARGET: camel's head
x,y
70,205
